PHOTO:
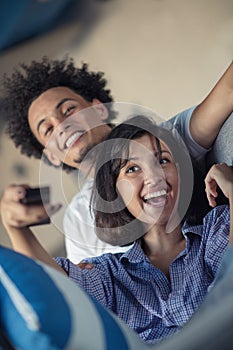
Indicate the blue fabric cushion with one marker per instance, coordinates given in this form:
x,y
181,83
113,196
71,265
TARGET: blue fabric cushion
x,y
42,309
23,19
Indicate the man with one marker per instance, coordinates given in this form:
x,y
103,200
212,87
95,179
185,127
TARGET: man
x,y
41,96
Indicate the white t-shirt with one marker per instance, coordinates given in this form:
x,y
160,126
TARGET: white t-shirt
x,y
80,238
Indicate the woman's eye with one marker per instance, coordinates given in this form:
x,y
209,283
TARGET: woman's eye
x,y
164,161
132,169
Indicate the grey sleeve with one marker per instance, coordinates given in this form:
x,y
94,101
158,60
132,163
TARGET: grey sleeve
x,y
181,124
222,150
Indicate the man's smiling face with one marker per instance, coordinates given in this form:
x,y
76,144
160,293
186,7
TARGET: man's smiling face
x,y
67,125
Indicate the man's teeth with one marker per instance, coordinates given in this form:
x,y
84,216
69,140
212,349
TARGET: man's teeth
x,y
155,195
71,139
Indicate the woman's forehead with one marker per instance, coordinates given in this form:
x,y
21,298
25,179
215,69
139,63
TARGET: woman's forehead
x,y
146,143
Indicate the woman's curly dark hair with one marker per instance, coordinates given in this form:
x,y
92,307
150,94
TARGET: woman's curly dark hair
x,y
27,82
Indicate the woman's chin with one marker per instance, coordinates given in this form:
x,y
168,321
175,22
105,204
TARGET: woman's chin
x,y
160,217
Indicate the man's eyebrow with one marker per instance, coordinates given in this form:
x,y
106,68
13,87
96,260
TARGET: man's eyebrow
x,y
63,101
39,124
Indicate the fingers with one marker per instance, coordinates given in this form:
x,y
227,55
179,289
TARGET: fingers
x,y
211,198
20,215
85,265
25,215
211,188
14,193
220,175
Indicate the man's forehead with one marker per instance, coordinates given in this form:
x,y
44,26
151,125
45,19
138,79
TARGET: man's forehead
x,y
53,98
56,93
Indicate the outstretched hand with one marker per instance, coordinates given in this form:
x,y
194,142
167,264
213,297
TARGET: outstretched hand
x,y
220,175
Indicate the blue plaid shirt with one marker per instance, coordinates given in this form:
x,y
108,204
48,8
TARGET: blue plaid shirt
x,y
141,295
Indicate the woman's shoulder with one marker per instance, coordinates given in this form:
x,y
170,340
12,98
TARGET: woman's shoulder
x,y
220,212
217,222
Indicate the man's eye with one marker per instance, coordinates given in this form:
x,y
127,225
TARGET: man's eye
x,y
132,169
68,110
48,130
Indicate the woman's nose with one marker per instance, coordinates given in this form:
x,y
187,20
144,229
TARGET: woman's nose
x,y
154,175
153,181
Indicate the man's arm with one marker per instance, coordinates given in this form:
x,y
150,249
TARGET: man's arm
x,y
208,118
22,238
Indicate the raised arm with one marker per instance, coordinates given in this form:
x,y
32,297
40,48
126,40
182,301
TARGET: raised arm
x,y
221,175
208,118
15,215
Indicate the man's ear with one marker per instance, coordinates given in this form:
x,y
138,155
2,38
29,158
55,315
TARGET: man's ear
x,y
100,108
51,157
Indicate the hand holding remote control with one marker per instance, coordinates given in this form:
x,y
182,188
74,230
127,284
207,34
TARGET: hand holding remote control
x,y
22,206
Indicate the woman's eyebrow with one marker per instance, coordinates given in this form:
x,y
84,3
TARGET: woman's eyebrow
x,y
165,151
156,154
132,158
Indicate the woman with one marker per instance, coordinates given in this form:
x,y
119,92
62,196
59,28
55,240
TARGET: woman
x,y
157,284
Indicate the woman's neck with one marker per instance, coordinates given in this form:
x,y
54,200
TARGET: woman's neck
x,y
162,247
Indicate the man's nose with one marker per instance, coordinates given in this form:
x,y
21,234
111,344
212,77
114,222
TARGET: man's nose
x,y
61,127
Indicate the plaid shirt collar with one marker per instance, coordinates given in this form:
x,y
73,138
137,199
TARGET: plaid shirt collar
x,y
136,254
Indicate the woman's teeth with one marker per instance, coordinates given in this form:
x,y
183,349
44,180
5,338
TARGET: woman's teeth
x,y
154,195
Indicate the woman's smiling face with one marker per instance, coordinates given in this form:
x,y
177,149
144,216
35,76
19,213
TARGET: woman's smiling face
x,y
148,182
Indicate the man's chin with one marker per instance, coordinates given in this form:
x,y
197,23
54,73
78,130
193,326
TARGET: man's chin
x,y
85,162
86,155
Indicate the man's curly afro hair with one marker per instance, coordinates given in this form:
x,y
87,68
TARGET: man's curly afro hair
x,y
27,82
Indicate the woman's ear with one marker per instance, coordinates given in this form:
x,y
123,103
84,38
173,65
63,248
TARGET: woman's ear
x,y
100,108
52,157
